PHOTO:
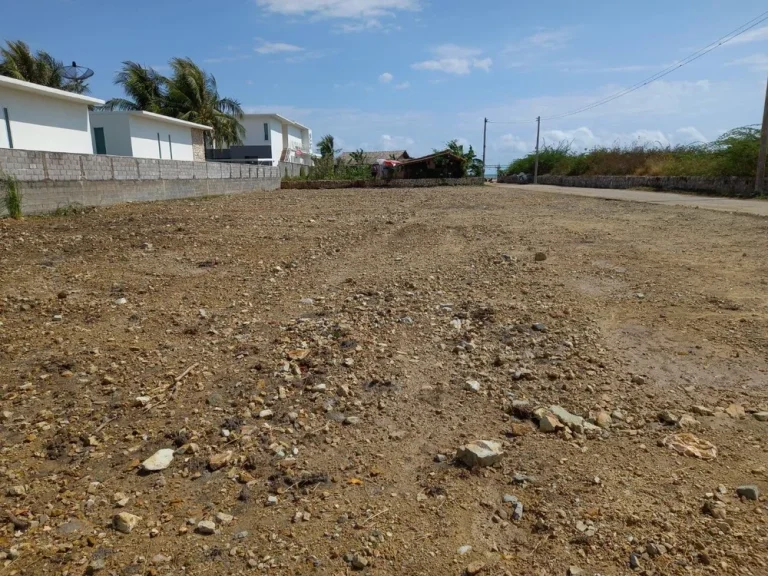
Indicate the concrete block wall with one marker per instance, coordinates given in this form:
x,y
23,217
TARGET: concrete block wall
x,y
395,183
51,180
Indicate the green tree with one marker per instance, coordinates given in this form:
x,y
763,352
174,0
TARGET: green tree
x,y
327,146
358,156
145,88
17,61
194,96
472,164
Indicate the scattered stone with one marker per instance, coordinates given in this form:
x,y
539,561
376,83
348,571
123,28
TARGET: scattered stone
x,y
480,453
120,500
474,568
714,508
142,401
750,492
271,501
549,423
16,491
472,386
160,460
518,512
359,562
206,527
218,461
736,411
634,561
688,422
159,559
352,420
540,257
518,429
265,414
761,416
440,458
603,419
464,550
96,565
509,499
690,445
702,411
539,327
575,571
224,518
639,380
668,418
121,301
125,522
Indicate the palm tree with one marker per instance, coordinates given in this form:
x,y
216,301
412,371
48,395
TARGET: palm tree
x,y
358,156
20,63
145,87
193,96
472,163
327,146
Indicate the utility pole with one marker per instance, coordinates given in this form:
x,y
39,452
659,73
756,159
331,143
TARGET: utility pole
x,y
485,130
536,165
760,181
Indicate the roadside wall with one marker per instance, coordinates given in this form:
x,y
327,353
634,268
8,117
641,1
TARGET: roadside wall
x,y
724,186
51,180
293,169
394,183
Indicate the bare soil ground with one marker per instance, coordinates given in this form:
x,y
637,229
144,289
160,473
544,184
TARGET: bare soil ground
x,y
314,347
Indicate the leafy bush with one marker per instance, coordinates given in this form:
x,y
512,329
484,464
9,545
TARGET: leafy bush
x,y
735,153
13,195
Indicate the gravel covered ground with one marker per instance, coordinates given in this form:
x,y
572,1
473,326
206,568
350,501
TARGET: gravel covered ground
x,y
305,365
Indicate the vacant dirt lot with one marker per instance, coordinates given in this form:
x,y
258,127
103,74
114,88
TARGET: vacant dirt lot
x,y
305,356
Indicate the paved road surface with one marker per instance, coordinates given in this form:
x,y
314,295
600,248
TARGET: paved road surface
x,y
747,206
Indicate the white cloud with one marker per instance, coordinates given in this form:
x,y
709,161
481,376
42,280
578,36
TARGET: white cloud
x,y
689,135
755,35
757,62
361,26
386,78
395,142
453,59
513,143
550,39
267,47
304,56
403,86
219,60
350,9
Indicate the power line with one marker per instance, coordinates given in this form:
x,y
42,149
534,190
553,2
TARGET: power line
x,y
687,60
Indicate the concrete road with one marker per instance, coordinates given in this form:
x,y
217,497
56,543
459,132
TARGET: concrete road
x,y
747,206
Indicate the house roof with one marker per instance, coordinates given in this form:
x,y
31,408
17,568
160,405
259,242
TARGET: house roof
x,y
24,86
279,117
374,156
152,116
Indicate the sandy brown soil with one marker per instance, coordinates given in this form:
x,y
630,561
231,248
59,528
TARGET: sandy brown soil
x,y
380,305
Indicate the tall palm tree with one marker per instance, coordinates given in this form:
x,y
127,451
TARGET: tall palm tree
x,y
358,156
327,146
145,88
20,63
193,96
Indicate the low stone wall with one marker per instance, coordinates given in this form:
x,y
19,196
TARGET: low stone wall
x,y
723,186
394,183
50,180
293,169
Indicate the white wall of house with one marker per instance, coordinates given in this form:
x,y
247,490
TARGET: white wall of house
x,y
42,122
151,138
117,133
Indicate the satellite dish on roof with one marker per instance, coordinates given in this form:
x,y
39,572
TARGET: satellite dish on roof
x,y
76,73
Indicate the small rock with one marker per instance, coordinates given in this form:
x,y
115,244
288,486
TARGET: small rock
x,y
736,411
750,492
206,527
761,416
440,458
639,380
634,561
518,512
352,420
142,401
224,518
603,419
480,453
218,461
96,565
16,491
474,568
271,501
359,562
668,418
125,522
266,414
509,499
464,550
539,327
688,422
121,301
702,411
159,559
160,460
540,257
575,571
472,386
120,500
518,429
549,423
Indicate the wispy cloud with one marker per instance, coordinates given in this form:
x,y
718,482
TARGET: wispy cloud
x,y
453,59
543,39
755,35
402,86
233,58
349,9
757,62
305,56
395,142
386,78
266,47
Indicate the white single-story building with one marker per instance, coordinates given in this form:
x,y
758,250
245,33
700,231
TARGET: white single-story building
x,y
147,135
269,139
35,117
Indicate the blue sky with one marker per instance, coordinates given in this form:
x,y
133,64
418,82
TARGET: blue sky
x,y
385,74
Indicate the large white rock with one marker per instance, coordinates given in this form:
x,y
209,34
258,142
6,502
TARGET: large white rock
x,y
160,460
480,453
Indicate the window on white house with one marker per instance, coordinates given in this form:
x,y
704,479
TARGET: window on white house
x,y
266,131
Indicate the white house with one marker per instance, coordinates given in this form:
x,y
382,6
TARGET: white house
x,y
147,135
35,117
271,138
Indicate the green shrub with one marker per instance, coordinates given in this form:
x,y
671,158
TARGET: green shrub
x,y
13,195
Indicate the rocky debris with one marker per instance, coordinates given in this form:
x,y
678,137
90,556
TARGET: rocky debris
x,y
714,508
125,522
576,571
687,422
668,418
16,491
702,411
639,380
271,501
358,562
218,461
480,453
206,527
634,561
518,429
160,460
474,568
761,416
224,518
517,514
603,419
736,411
750,492
549,423
464,550
96,565
472,386
690,445
540,257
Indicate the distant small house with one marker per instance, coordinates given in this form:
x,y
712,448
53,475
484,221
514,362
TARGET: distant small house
x,y
372,158
147,135
35,117
443,164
